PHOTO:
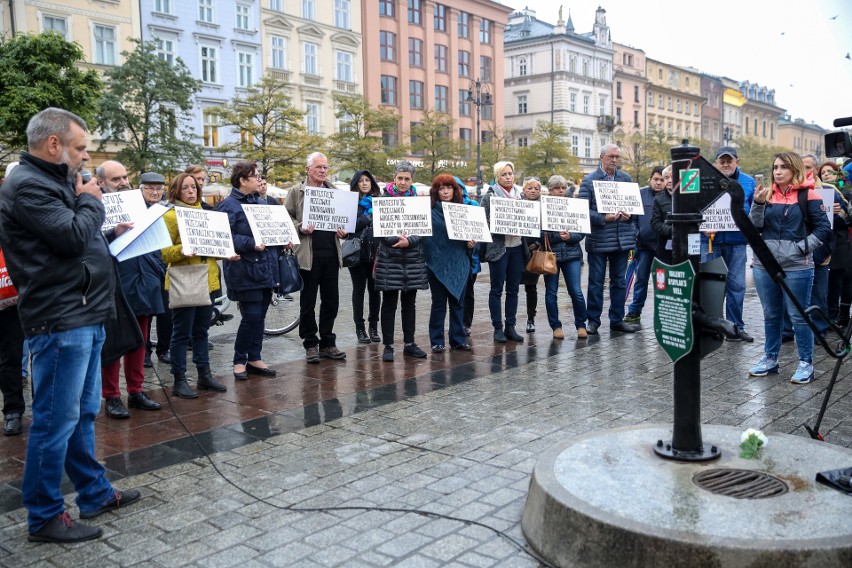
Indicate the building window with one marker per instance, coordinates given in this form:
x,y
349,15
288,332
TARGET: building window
x,y
487,112
55,24
441,18
696,109
415,95
628,59
771,131
660,100
104,45
669,100
522,104
342,9
388,90
523,142
585,68
415,12
386,8
650,99
575,145
390,139
411,129
586,104
464,105
465,136
278,51
485,31
163,6
522,66
168,123
277,5
245,69
755,127
618,90
464,63
387,46
311,50
209,64
686,107
312,118
635,93
602,107
572,64
344,66
686,132
764,129
573,106
205,11
587,152
211,129
464,24
485,68
636,119
618,115
309,9
415,52
165,50
243,17
442,98
441,58
678,104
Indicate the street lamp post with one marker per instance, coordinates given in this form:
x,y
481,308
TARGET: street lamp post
x,y
479,100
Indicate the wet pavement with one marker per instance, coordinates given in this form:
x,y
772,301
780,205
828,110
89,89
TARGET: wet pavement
x,y
455,434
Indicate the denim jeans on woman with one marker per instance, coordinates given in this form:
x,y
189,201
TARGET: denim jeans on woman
x,y
441,297
506,272
772,299
570,270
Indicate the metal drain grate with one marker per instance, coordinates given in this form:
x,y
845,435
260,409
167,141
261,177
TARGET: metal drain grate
x,y
740,483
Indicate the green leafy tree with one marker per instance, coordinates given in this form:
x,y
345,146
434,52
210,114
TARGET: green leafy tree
x,y
755,158
272,131
147,109
41,71
431,139
359,144
548,154
499,147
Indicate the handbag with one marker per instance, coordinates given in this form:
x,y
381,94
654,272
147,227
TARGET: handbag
x,y
188,286
123,334
351,252
289,277
542,261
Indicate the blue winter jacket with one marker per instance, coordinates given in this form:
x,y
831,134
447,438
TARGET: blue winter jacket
x,y
735,237
142,282
256,269
606,237
565,250
647,237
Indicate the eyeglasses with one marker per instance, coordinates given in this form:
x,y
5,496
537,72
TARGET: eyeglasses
x,y
612,157
150,188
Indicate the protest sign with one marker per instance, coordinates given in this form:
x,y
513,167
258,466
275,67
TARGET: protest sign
x,y
565,214
718,216
123,207
615,196
394,216
466,222
205,233
827,194
330,209
270,226
148,234
515,217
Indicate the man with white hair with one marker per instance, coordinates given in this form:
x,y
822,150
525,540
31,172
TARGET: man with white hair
x,y
112,176
320,260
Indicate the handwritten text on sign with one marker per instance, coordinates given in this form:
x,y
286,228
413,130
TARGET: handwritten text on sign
x,y
394,216
615,196
515,217
270,226
565,214
718,216
330,209
205,233
466,222
123,207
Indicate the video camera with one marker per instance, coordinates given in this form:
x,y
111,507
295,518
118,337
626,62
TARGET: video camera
x,y
839,144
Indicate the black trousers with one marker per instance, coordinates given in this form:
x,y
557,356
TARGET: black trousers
x,y
362,281
390,300
469,300
320,279
11,353
164,328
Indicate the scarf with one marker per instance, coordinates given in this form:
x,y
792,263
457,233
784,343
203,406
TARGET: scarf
x,y
391,191
366,203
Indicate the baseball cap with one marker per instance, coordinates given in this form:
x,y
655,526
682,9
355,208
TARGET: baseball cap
x,y
151,177
727,150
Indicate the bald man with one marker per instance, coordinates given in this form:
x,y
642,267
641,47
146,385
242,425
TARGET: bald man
x,y
112,177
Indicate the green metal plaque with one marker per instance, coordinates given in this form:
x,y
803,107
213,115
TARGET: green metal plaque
x,y
673,287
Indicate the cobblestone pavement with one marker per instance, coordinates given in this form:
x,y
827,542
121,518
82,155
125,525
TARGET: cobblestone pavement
x,y
458,440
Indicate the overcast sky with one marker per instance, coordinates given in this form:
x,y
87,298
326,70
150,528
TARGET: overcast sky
x,y
791,46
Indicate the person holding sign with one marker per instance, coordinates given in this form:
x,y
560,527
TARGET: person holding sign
x,y
190,324
250,279
505,257
612,237
448,264
400,271
362,273
532,192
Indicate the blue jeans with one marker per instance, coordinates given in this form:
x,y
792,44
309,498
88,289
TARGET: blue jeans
x,y
66,382
440,298
617,285
570,270
249,341
506,272
190,325
735,285
772,299
643,261
819,298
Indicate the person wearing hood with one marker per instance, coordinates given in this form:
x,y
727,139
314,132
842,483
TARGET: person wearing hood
x,y
365,184
792,231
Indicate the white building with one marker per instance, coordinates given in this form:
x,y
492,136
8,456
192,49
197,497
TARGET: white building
x,y
555,74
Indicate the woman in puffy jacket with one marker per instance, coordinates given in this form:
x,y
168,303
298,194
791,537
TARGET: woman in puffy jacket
x,y
400,271
792,231
362,273
250,279
190,324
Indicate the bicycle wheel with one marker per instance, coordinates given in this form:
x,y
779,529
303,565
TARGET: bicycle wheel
x,y
283,314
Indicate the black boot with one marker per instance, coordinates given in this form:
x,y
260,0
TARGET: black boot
x,y
181,388
374,333
510,333
207,382
362,334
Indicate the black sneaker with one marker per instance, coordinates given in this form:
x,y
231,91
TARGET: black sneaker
x,y
530,326
119,499
62,528
413,351
387,356
362,336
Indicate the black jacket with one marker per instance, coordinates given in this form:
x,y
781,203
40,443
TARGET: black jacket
x,y
400,268
662,208
55,251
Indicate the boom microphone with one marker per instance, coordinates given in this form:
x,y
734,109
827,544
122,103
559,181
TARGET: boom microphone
x,y
840,122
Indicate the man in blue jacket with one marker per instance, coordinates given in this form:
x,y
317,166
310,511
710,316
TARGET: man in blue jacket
x,y
646,245
731,245
612,237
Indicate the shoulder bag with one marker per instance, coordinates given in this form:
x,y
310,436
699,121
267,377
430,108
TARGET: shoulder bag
x,y
351,251
542,261
188,285
289,278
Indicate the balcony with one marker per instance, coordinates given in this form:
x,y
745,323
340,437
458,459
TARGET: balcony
x,y
606,123
279,74
346,87
311,80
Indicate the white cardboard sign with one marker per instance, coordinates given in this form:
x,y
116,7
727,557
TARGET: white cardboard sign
x,y
515,217
393,216
123,207
466,222
205,233
330,209
615,196
717,217
827,194
565,214
271,226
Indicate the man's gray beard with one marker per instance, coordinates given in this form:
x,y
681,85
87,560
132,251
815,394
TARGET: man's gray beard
x,y
72,171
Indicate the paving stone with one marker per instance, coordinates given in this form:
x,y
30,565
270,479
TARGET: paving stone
x,y
232,556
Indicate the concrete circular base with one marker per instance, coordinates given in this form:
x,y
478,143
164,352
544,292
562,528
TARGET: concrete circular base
x,y
605,499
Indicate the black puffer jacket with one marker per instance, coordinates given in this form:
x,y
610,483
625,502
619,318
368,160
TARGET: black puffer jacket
x,y
400,268
55,251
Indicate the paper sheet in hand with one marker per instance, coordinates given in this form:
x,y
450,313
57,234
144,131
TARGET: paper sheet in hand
x,y
718,216
205,233
565,214
147,235
827,194
515,217
393,216
123,207
270,225
466,222
330,209
615,196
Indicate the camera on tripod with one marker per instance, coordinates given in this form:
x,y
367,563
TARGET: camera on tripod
x,y
838,144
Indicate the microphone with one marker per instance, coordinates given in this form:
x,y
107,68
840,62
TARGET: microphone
x,y
840,122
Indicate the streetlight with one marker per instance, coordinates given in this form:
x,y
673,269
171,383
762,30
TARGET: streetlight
x,y
481,99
